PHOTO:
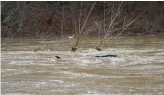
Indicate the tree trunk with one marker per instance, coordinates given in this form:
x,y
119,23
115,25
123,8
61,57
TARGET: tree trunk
x,y
62,22
22,17
73,9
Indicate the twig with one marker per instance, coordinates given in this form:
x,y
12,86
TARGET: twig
x,y
104,16
10,14
3,4
99,27
93,5
127,25
80,16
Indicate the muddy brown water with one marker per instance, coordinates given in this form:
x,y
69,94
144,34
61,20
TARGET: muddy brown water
x,y
138,69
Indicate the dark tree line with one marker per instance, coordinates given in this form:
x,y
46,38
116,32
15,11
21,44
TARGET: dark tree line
x,y
102,19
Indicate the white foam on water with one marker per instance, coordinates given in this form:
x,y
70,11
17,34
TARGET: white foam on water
x,y
51,59
93,93
58,81
30,62
125,57
18,94
85,57
150,67
60,75
158,58
22,62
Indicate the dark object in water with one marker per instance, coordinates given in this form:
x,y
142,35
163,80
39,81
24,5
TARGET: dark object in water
x,y
37,49
57,57
97,48
108,55
73,49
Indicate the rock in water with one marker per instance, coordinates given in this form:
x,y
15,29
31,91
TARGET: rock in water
x,y
108,55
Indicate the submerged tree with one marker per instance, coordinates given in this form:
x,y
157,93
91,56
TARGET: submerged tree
x,y
117,21
79,34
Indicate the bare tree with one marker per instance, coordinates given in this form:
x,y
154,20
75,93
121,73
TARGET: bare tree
x,y
117,21
79,34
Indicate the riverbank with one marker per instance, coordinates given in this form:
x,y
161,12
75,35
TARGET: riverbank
x,y
87,36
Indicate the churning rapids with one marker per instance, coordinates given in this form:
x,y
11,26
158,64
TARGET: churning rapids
x,y
138,69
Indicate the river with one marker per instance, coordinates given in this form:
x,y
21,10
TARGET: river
x,y
138,69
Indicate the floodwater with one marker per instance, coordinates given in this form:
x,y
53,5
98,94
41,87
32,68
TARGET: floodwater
x,y
138,69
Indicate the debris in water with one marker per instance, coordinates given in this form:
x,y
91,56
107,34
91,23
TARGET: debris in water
x,y
108,55
37,49
73,49
97,48
57,57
